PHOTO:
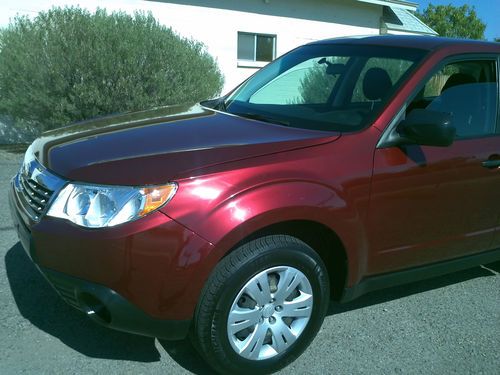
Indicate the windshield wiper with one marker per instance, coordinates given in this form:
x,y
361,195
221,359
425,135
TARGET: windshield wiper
x,y
263,118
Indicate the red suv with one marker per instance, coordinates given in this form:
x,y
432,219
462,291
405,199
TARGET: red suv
x,y
345,166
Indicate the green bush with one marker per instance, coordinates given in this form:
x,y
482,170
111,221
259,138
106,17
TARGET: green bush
x,y
69,64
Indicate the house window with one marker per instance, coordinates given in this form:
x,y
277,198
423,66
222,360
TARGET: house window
x,y
256,47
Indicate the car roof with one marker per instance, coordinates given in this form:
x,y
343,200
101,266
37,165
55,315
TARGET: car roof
x,y
411,41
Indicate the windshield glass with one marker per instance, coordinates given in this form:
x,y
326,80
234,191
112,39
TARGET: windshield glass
x,y
325,87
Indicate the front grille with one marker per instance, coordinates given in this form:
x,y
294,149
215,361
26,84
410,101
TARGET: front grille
x,y
35,187
33,197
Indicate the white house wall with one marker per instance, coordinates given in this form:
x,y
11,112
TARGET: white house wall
x,y
217,22
218,27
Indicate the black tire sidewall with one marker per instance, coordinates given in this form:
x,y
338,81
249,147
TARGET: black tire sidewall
x,y
293,254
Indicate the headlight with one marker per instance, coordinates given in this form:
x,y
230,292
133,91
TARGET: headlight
x,y
106,206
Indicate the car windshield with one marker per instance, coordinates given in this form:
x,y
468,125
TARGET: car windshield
x,y
327,87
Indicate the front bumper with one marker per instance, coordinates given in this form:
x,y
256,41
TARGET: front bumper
x,y
106,307
142,277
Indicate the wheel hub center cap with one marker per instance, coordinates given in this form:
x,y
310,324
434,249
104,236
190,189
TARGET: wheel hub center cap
x,y
268,311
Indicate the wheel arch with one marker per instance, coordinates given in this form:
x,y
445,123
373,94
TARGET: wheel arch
x,y
322,239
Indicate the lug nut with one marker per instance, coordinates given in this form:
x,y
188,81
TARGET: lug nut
x,y
272,319
278,308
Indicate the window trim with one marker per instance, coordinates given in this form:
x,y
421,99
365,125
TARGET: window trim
x,y
244,63
387,137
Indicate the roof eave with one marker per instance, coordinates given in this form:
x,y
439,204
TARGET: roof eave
x,y
413,32
393,3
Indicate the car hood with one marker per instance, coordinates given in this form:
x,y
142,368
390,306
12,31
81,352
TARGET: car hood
x,y
163,144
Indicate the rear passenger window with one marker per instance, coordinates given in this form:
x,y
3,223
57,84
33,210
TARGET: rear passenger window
x,y
466,90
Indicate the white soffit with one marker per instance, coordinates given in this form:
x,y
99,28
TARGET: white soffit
x,y
393,3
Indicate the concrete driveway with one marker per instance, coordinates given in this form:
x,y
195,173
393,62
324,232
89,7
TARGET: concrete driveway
x,y
446,325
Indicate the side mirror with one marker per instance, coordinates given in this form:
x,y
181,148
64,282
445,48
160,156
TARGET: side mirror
x,y
426,127
217,103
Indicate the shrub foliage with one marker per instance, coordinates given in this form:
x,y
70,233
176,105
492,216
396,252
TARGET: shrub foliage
x,y
68,64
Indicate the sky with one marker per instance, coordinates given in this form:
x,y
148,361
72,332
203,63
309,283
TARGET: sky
x,y
487,10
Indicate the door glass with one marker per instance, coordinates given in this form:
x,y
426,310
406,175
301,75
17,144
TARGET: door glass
x,y
466,90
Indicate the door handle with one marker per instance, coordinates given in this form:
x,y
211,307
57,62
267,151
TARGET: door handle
x,y
491,164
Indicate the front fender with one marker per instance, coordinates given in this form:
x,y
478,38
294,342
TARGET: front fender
x,y
224,217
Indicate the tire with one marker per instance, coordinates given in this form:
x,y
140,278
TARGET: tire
x,y
244,326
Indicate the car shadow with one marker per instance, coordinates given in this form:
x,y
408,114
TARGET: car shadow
x,y
405,290
186,356
38,302
495,267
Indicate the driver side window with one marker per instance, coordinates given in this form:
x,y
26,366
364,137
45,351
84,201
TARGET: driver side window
x,y
468,92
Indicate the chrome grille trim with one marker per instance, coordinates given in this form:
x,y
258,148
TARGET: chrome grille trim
x,y
35,188
36,196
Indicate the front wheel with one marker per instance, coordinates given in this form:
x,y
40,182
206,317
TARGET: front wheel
x,y
262,306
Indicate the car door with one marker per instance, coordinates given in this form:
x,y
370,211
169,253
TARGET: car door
x,y
428,203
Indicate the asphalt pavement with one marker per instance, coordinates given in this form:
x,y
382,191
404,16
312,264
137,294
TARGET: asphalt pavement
x,y
446,325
